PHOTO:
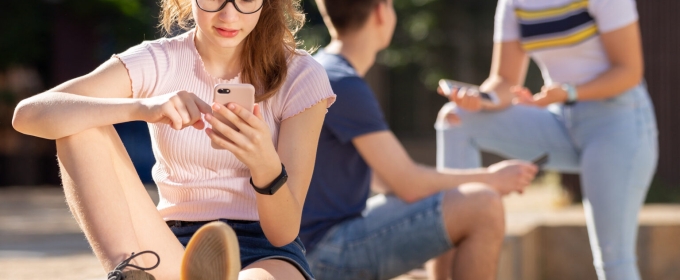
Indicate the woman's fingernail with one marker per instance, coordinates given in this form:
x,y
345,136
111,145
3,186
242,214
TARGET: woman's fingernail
x,y
208,117
216,106
231,106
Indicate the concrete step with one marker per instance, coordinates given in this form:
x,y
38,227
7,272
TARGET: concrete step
x,y
554,245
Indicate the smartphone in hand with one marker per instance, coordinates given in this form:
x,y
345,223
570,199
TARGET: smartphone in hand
x,y
241,94
449,85
541,161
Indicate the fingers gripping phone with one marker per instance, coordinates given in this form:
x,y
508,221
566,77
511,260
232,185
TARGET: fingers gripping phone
x,y
541,161
241,94
449,85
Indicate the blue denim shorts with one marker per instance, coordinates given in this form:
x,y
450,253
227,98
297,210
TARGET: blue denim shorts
x,y
389,239
253,244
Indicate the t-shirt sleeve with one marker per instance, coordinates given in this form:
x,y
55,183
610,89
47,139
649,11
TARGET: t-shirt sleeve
x,y
613,14
306,86
356,112
142,67
506,26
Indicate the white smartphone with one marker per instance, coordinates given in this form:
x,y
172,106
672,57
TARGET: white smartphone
x,y
241,94
449,85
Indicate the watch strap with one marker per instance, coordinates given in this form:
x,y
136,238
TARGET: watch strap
x,y
572,94
274,185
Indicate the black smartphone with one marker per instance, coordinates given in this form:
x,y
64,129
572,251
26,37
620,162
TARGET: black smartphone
x,y
541,160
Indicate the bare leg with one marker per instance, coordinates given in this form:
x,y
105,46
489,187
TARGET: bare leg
x,y
475,221
111,205
439,268
270,269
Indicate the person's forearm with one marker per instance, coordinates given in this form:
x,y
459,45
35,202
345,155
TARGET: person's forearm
x,y
424,181
54,115
280,216
611,83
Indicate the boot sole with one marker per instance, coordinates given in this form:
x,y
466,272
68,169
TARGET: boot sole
x,y
212,254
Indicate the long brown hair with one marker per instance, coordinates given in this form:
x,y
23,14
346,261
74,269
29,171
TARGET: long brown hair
x,y
265,50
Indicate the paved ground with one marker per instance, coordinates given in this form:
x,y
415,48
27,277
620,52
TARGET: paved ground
x,y
40,240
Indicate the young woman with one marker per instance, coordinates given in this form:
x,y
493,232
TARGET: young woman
x,y
169,84
599,120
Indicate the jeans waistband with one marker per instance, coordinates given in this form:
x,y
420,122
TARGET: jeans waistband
x,y
174,223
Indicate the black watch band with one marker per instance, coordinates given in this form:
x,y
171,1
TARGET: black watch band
x,y
275,185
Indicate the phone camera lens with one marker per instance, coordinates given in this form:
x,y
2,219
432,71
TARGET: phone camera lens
x,y
224,90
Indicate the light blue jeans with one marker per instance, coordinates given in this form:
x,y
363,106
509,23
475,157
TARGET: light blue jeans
x,y
612,143
390,238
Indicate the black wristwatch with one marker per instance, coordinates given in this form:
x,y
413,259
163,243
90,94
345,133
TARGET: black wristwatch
x,y
275,185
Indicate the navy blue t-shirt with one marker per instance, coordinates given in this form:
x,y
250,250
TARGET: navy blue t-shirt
x,y
341,182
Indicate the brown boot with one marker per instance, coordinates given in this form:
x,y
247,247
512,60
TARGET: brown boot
x,y
212,254
140,274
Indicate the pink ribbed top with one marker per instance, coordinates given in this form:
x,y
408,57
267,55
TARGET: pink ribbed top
x,y
195,181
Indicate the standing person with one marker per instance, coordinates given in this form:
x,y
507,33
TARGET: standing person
x,y
599,120
169,83
426,211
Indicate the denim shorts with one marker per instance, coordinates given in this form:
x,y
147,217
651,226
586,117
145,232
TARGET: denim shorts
x,y
253,244
389,239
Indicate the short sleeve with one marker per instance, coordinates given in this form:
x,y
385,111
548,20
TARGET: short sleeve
x,y
506,27
356,112
142,68
307,84
613,14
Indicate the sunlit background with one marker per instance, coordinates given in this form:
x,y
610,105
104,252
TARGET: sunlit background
x,y
46,42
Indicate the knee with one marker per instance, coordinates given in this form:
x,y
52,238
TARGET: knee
x,y
486,206
445,113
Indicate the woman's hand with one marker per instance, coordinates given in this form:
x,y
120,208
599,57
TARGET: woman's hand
x,y
465,98
250,142
511,175
548,95
178,109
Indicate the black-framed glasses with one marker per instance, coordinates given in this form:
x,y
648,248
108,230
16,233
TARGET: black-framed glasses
x,y
242,6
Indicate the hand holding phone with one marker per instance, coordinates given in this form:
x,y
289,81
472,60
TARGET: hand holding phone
x,y
448,86
241,94
541,161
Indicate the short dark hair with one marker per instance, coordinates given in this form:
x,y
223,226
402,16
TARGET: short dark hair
x,y
349,15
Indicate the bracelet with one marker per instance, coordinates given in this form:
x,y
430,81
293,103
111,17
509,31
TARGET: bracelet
x,y
572,94
274,185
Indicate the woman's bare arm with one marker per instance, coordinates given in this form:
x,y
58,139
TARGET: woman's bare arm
x,y
281,213
624,50
99,98
509,64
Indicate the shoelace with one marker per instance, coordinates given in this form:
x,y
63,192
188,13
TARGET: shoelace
x,y
117,273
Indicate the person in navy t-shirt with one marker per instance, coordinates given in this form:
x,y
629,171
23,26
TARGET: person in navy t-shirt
x,y
422,213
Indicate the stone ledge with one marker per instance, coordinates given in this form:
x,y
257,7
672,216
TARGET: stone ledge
x,y
554,245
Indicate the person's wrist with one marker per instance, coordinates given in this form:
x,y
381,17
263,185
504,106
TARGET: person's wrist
x,y
571,93
263,176
138,110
